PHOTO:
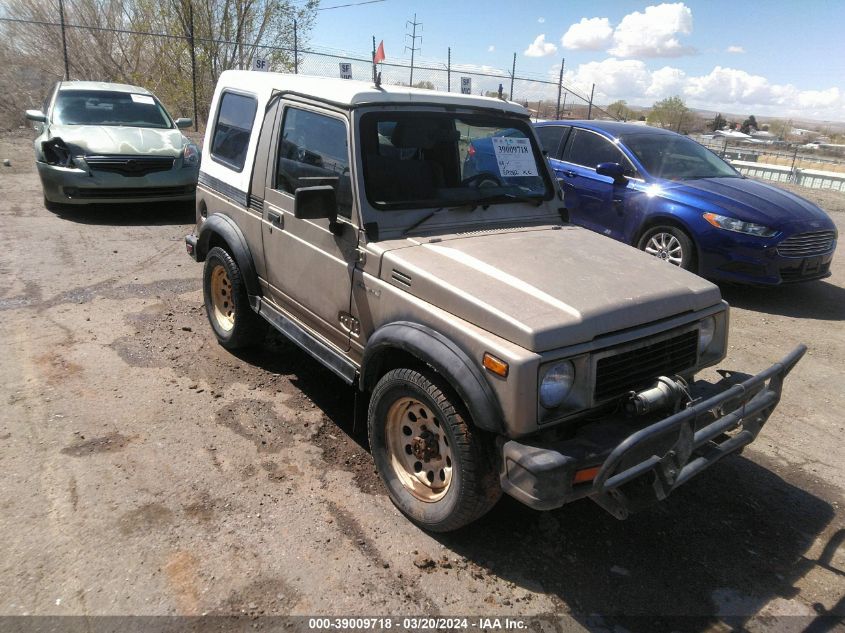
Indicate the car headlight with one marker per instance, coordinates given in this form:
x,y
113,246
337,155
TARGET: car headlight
x,y
706,331
190,155
738,226
556,383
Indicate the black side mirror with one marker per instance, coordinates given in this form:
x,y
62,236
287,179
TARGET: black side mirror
x,y
612,170
316,203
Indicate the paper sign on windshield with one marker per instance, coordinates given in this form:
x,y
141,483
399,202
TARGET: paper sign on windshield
x,y
142,99
514,156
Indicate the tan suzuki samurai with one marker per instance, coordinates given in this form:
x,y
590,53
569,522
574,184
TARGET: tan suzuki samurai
x,y
495,346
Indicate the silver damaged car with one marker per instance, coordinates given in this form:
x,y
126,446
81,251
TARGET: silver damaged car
x,y
106,143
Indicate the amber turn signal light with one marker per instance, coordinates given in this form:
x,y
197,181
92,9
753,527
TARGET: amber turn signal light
x,y
495,365
586,474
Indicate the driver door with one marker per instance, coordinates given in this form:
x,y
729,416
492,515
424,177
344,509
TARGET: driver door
x,y
594,201
310,263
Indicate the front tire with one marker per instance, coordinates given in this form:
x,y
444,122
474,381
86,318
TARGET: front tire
x,y
435,465
227,304
669,244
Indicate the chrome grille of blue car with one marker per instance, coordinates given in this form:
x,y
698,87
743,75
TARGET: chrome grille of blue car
x,y
807,244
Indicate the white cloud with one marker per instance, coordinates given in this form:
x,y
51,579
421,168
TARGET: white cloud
x,y
725,89
590,34
541,20
491,48
735,49
653,33
540,47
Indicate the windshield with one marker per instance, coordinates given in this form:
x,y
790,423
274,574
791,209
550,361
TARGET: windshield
x,y
424,159
676,157
100,107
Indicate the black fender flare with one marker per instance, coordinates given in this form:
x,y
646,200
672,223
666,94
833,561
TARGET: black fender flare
x,y
447,359
228,231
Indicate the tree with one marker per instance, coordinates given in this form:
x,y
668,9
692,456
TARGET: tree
x,y
620,110
426,85
718,123
749,125
669,113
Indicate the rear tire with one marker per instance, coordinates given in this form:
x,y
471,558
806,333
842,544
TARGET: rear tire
x,y
227,303
670,244
435,465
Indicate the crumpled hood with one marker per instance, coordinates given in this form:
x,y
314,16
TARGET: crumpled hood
x,y
545,289
750,200
112,139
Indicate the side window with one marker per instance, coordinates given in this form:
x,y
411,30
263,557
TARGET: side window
x,y
589,149
232,129
314,151
551,137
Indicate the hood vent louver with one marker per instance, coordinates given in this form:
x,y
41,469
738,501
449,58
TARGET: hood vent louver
x,y
401,278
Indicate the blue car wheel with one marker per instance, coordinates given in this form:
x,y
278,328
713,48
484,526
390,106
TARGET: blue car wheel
x,y
669,244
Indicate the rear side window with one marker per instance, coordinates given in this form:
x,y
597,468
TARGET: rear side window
x,y
551,138
232,129
314,151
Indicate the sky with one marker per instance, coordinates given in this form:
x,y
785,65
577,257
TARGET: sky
x,y
769,58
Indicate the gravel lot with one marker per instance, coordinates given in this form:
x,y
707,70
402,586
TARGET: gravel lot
x,y
148,471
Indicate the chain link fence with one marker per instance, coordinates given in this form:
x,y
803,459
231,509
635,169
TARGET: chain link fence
x,y
186,92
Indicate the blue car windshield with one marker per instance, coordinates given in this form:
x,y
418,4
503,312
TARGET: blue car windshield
x,y
103,107
676,157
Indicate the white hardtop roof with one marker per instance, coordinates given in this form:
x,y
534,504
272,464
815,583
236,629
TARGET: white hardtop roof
x,y
102,85
354,93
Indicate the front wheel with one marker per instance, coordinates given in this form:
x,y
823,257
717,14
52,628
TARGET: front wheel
x,y
435,466
670,244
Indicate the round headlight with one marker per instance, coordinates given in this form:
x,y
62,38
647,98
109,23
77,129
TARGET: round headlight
x,y
556,383
706,330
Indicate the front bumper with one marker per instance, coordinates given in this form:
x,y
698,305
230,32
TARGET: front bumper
x,y
628,465
71,185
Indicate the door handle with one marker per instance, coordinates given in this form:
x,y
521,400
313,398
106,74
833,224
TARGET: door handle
x,y
276,219
570,174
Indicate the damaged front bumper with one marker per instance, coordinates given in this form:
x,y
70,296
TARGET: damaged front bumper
x,y
624,464
74,185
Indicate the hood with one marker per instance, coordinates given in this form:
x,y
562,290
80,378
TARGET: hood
x,y
748,200
546,289
112,139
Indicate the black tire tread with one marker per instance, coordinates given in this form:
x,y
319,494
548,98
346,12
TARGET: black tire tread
x,y
480,489
249,328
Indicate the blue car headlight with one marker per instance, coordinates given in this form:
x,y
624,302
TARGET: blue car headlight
x,y
555,383
738,226
190,155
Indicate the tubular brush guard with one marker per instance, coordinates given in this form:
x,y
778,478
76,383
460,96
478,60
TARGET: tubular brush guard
x,y
696,447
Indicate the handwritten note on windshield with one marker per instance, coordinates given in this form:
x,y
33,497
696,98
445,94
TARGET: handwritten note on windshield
x,y
514,156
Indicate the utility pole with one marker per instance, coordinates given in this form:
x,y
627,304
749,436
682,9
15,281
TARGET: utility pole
x,y
64,40
559,89
193,62
513,73
590,107
413,47
295,50
449,70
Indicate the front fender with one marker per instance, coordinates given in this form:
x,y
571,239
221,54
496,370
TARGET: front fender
x,y
445,357
218,227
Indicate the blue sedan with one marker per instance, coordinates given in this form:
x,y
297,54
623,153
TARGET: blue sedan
x,y
675,199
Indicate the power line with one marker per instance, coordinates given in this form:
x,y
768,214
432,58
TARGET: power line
x,y
350,4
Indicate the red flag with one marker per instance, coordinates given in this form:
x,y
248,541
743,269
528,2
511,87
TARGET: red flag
x,y
379,56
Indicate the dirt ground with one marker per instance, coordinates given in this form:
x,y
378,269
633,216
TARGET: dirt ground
x,y
148,471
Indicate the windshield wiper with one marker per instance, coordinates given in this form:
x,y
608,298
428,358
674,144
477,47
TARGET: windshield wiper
x,y
509,197
469,206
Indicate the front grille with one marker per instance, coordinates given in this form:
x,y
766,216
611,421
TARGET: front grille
x,y
127,192
131,166
807,244
800,273
638,368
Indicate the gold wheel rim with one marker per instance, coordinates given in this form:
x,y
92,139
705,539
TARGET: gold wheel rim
x,y
221,298
419,449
